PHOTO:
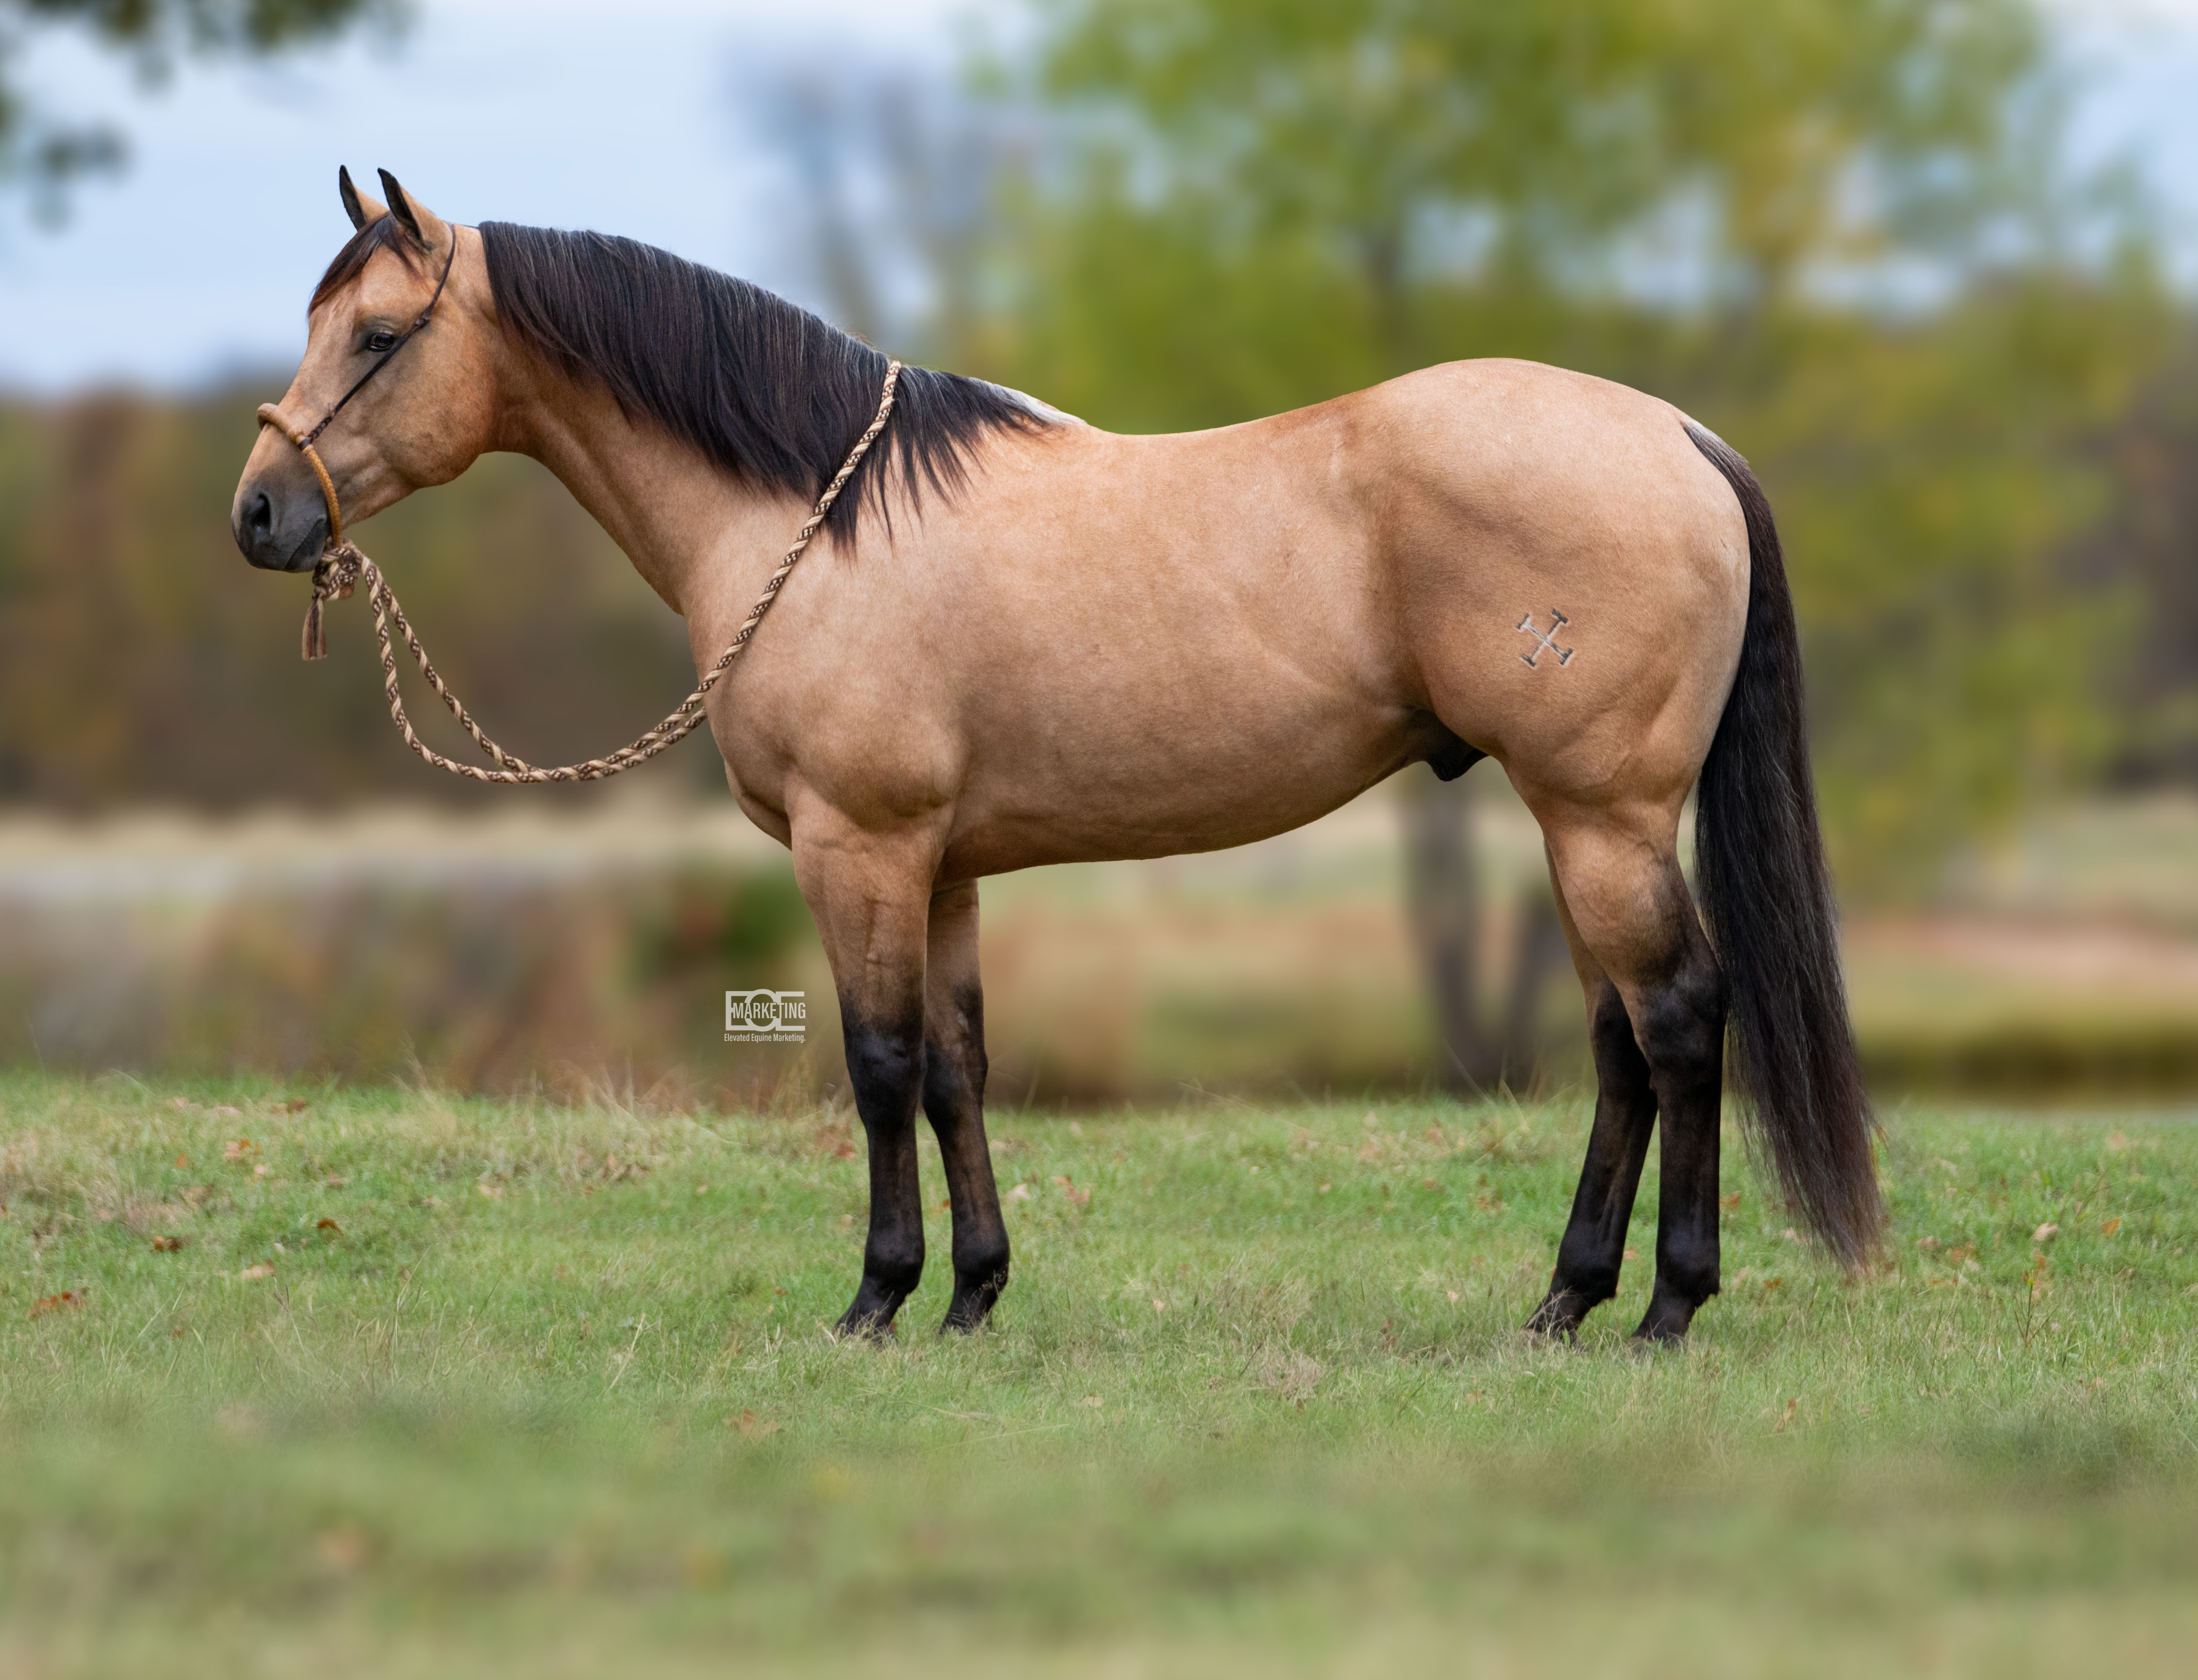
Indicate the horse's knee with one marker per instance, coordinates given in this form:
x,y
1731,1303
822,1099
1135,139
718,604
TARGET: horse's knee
x,y
885,1068
953,1079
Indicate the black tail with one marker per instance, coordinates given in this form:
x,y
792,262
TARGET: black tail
x,y
1767,898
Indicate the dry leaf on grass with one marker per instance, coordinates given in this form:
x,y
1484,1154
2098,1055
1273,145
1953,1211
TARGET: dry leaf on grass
x,y
328,1228
237,1148
167,1245
2045,1232
263,1270
1076,1198
753,1426
2108,1227
343,1550
44,1305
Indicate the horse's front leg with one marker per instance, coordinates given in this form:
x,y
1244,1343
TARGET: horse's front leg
x,y
954,1101
871,893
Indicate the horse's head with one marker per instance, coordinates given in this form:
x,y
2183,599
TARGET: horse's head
x,y
393,415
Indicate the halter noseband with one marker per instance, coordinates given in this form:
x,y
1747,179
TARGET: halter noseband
x,y
271,415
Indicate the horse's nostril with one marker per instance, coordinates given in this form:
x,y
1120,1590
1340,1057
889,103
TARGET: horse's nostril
x,y
254,526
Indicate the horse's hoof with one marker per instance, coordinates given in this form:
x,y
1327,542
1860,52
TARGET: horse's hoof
x,y
1557,1320
965,1318
863,1327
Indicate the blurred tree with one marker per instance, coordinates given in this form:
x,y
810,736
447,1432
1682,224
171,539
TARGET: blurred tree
x,y
46,153
896,178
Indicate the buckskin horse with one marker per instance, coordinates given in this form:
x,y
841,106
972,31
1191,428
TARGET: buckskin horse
x,y
1023,641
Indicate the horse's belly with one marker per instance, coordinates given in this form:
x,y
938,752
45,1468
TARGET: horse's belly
x,y
1084,798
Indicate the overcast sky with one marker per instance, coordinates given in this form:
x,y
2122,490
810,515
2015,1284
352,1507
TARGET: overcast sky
x,y
197,261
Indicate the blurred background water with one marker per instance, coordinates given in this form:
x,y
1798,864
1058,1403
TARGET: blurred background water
x,y
1930,266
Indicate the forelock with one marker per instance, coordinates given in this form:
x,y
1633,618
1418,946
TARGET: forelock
x,y
384,233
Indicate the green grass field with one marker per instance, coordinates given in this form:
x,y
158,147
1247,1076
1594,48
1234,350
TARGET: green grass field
x,y
393,1384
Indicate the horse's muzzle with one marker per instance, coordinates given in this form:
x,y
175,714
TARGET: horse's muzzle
x,y
276,537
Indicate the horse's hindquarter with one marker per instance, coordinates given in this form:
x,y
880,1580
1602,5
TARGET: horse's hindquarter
x,y
1123,647
1573,572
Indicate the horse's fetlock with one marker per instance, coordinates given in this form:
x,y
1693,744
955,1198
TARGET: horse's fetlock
x,y
895,1267
1687,1271
982,1266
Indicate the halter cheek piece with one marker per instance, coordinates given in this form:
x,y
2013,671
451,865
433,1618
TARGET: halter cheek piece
x,y
341,567
315,638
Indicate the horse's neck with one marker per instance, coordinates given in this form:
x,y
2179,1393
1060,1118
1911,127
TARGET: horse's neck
x,y
692,530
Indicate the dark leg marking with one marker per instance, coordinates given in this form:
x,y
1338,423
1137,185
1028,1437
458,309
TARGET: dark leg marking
x,y
954,1068
1681,1034
1593,1249
886,1066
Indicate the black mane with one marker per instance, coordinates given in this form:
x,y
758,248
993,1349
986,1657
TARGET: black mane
x,y
757,385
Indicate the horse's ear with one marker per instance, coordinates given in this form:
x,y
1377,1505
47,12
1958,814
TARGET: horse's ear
x,y
425,226
356,205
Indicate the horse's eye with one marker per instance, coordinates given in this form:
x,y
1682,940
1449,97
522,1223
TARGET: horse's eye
x,y
378,342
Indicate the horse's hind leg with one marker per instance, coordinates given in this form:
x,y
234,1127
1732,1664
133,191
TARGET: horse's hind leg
x,y
954,1101
1629,907
1593,1249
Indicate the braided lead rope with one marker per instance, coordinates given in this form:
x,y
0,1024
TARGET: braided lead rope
x,y
342,566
